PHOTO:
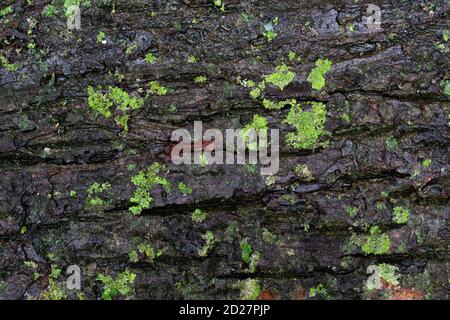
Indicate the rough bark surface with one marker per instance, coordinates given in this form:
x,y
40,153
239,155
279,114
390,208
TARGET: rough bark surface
x,y
387,114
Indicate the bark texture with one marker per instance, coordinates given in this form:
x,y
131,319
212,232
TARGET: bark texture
x,y
387,114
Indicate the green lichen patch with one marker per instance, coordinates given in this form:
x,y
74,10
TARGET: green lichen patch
x,y
317,75
121,286
101,103
257,126
376,242
309,125
281,78
401,215
198,216
145,181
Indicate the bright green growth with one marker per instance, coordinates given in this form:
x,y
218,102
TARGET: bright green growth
x,y
302,171
246,251
376,242
184,188
256,127
270,33
23,230
282,77
200,79
148,251
203,160
94,190
220,5
401,215
427,163
146,180
101,36
192,59
198,215
156,88
310,125
316,77
119,287
129,50
72,194
446,87
49,11
250,289
271,105
209,238
351,211
150,58
8,66
388,273
269,236
54,291
5,11
101,103
320,290
295,57
133,256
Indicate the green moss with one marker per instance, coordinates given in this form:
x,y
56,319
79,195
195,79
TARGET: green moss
x,y
272,105
184,188
6,10
94,191
320,290
351,211
145,181
427,163
269,236
49,11
376,243
148,251
270,33
303,172
55,291
246,251
258,124
133,256
198,216
101,104
8,66
310,126
119,287
192,59
129,50
101,36
446,87
150,58
209,243
316,77
281,78
388,273
220,5
156,88
401,215
250,289
200,79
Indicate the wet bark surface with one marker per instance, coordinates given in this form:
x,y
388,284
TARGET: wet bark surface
x,y
387,118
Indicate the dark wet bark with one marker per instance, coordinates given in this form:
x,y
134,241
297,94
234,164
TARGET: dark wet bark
x,y
387,82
